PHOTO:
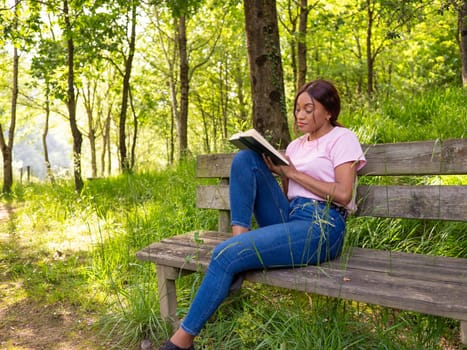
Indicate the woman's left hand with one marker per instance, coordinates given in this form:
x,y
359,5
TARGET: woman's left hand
x,y
281,170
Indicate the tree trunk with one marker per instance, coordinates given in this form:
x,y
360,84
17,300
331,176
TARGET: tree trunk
x,y
173,117
463,40
48,167
359,55
124,161
106,143
89,95
71,103
92,144
182,121
301,47
267,83
135,132
369,57
243,113
7,146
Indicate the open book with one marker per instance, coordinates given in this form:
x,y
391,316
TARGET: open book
x,y
253,140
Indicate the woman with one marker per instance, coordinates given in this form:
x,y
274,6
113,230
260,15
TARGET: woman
x,y
301,224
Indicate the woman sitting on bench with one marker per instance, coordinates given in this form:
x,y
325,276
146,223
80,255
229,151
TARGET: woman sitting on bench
x,y
300,224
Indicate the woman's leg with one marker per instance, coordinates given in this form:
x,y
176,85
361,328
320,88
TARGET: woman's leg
x,y
254,190
295,243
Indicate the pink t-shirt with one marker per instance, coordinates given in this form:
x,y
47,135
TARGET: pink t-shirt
x,y
318,158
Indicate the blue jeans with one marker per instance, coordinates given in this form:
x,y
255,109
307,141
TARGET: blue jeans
x,y
291,234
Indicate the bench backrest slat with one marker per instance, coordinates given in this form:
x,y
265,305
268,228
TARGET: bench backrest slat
x,y
406,158
416,158
413,202
409,202
410,158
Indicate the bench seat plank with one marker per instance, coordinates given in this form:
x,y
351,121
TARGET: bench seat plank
x,y
447,269
435,298
430,284
429,268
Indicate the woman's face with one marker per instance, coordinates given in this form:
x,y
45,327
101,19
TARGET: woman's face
x,y
311,116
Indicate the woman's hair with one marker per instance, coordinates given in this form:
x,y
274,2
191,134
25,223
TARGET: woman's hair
x,y
325,93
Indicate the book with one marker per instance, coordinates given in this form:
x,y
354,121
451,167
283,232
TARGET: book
x,y
252,139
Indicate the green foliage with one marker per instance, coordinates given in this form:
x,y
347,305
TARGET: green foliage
x,y
434,114
80,249
424,237
272,318
83,247
413,43
137,210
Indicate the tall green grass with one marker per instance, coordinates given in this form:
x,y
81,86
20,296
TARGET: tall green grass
x,y
98,233
428,115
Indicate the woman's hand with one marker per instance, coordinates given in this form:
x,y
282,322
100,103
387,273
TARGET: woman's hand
x,y
281,170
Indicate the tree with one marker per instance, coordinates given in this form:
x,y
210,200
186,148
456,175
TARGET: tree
x,y
71,99
7,145
48,166
49,56
297,12
90,101
166,41
301,45
125,163
463,39
181,11
389,17
267,83
12,30
178,52
182,121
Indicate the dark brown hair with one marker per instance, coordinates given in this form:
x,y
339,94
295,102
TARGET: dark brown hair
x,y
325,93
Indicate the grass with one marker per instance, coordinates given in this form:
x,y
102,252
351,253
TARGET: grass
x,y
80,251
427,115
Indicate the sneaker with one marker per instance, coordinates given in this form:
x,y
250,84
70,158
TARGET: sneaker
x,y
168,345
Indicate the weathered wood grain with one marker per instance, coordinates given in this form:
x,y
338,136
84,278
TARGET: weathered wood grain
x,y
413,202
433,285
404,158
416,158
410,202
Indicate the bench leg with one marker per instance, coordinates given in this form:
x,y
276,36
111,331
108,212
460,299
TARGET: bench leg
x,y
166,277
463,334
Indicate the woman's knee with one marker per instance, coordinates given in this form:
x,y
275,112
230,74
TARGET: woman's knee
x,y
244,158
225,254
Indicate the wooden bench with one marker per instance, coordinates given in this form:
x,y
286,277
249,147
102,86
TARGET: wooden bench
x,y
432,285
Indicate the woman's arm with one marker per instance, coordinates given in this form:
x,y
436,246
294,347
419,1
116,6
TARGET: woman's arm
x,y
285,184
339,191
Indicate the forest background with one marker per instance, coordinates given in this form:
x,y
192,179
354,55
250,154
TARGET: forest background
x,y
127,92
105,84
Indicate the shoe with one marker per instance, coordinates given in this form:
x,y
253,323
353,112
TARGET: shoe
x,y
168,345
237,282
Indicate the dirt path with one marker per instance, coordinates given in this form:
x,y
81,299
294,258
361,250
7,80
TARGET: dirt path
x,y
26,324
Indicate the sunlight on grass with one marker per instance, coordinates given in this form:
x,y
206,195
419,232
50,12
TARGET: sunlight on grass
x,y
11,293
78,251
